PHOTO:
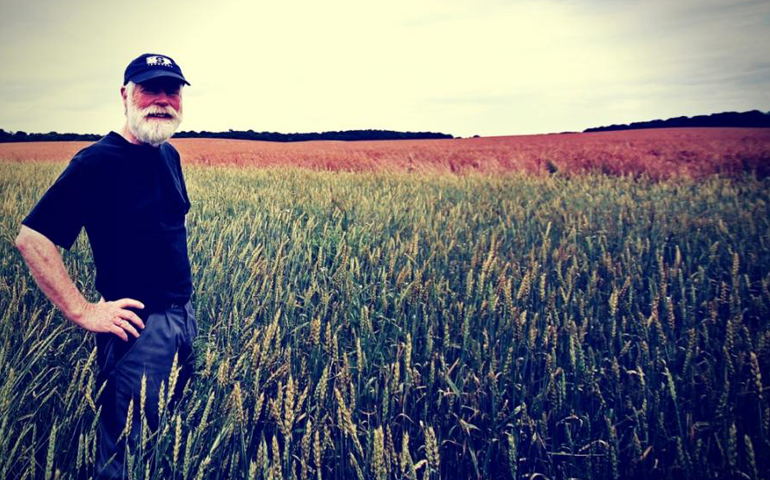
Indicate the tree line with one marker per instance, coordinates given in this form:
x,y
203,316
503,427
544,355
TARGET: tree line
x,y
753,118
21,136
344,135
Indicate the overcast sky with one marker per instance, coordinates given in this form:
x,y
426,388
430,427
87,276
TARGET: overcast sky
x,y
487,67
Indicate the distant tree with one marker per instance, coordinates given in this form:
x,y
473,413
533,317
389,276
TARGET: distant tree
x,y
753,118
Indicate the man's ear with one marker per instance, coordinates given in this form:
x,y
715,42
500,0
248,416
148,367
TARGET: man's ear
x,y
123,95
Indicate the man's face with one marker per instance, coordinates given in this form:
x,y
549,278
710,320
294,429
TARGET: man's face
x,y
154,109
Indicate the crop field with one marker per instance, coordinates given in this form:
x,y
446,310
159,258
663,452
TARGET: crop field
x,y
383,318
656,153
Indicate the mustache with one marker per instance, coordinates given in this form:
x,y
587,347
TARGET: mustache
x,y
157,110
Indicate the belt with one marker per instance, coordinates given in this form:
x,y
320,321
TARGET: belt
x,y
150,307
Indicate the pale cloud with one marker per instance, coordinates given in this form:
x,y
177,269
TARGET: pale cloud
x,y
462,67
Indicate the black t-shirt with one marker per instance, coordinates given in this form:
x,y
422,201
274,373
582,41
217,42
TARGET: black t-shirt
x,y
132,201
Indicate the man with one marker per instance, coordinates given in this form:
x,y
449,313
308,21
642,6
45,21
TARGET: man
x,y
128,191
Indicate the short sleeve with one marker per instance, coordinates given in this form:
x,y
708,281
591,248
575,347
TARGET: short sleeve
x,y
61,212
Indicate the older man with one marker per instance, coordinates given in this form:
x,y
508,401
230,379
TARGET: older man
x,y
128,191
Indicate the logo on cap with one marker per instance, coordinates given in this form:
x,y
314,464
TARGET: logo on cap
x,y
157,60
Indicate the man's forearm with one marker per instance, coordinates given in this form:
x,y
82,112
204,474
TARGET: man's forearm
x,y
48,270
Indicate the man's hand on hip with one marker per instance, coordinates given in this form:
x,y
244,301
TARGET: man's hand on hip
x,y
47,268
110,317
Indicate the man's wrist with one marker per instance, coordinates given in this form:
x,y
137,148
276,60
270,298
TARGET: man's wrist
x,y
77,312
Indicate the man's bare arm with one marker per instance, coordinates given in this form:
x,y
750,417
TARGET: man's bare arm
x,y
48,270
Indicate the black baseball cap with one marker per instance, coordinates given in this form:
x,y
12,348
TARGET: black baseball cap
x,y
151,65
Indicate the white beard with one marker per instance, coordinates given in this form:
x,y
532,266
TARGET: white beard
x,y
153,131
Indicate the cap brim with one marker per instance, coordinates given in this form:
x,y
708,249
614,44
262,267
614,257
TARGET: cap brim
x,y
144,76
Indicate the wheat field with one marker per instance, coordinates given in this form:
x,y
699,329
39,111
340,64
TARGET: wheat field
x,y
394,325
660,153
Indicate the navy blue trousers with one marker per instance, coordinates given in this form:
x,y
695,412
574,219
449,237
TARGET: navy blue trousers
x,y
123,364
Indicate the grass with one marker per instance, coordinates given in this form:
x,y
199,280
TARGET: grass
x,y
394,325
